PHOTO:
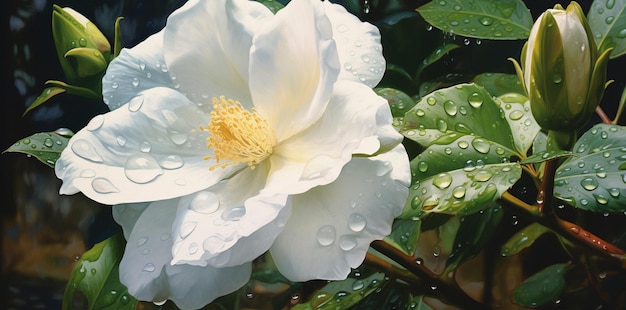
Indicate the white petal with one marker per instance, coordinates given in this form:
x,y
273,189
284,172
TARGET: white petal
x,y
331,226
135,70
358,45
148,275
207,45
126,215
144,151
228,224
350,124
293,65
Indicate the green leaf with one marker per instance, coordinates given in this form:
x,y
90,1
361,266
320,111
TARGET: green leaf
x,y
117,41
474,232
75,90
461,191
399,102
484,19
404,235
595,179
607,20
517,113
523,239
46,94
463,109
437,54
344,294
274,6
499,84
96,276
45,146
543,287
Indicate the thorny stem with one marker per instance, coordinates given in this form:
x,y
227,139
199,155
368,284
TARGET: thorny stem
x,y
444,291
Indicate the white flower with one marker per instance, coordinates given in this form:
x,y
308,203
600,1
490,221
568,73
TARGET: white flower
x,y
233,132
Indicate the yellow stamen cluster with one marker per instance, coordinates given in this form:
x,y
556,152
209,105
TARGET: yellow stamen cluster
x,y
237,135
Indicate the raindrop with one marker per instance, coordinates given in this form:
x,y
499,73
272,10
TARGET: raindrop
x,y
205,202
422,166
141,241
149,267
142,168
347,242
430,203
135,103
121,140
84,149
589,184
481,145
357,285
356,222
458,192
442,180
431,100
475,100
482,176
516,115
450,107
187,228
95,123
234,213
145,147
103,186
326,235
171,162
486,21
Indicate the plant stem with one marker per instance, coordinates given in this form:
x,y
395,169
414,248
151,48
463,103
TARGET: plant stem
x,y
444,291
603,117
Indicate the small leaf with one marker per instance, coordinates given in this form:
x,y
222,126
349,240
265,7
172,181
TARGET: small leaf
x,y
543,287
474,232
96,276
595,179
607,20
437,54
273,5
463,109
517,113
45,146
46,94
499,84
523,239
75,90
117,41
399,102
404,235
344,294
484,19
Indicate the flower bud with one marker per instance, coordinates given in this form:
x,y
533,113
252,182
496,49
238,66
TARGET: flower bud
x,y
562,71
82,49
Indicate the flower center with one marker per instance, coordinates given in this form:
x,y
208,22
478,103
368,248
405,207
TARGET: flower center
x,y
237,135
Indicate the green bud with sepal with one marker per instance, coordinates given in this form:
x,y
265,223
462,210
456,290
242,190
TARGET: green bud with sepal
x,y
82,49
563,73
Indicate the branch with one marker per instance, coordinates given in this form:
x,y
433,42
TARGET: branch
x,y
444,291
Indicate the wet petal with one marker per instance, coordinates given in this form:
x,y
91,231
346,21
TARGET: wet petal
x,y
331,226
146,271
144,151
135,70
229,223
316,156
358,45
293,65
208,45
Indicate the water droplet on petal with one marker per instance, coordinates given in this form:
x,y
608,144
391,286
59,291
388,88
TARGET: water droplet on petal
x,y
356,222
234,214
103,186
84,149
141,241
95,123
187,228
347,242
205,202
171,162
149,267
142,168
135,103
326,235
